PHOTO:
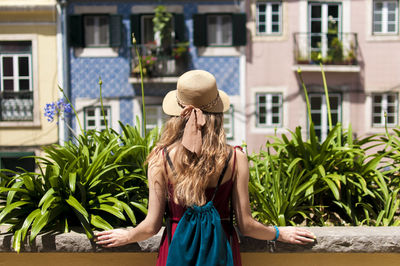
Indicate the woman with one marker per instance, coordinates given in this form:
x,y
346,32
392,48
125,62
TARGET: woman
x,y
186,164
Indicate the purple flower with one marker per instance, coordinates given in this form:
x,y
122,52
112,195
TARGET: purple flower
x,y
57,109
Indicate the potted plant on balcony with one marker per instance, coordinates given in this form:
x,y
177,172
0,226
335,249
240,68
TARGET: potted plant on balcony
x,y
148,64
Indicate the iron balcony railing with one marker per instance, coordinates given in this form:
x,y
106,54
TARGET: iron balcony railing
x,y
158,61
330,48
16,106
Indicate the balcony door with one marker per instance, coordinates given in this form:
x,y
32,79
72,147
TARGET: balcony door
x,y
324,25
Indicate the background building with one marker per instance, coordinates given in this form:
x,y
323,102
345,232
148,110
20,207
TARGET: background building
x,y
359,44
209,35
28,79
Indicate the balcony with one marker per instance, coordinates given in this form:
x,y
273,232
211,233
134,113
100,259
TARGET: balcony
x,y
160,64
337,51
16,106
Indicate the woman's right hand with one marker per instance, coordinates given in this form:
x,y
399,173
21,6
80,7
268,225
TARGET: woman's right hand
x,y
295,235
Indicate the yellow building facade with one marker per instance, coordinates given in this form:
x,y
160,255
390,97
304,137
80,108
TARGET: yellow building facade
x,y
28,79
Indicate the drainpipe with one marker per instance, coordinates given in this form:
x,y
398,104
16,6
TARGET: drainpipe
x,y
242,76
62,64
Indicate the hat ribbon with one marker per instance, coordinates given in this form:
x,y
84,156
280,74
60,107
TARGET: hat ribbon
x,y
192,139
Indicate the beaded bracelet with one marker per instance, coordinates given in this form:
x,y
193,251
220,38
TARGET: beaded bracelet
x,y
276,233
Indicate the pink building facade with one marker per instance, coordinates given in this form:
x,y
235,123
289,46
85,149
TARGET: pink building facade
x,y
359,44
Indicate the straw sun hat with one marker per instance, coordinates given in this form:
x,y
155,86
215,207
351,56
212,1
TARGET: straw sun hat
x,y
199,89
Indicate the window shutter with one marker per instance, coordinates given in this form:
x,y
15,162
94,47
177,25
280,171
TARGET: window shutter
x,y
199,30
75,31
115,30
239,29
179,25
135,28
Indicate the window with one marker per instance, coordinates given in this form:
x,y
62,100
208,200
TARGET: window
x,y
319,113
155,117
94,119
268,18
222,29
13,160
228,123
95,30
219,30
142,27
16,93
385,17
382,104
269,110
324,26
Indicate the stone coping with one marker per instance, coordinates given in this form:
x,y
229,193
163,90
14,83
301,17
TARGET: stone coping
x,y
360,239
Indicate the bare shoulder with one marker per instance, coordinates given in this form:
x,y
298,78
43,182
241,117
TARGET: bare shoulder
x,y
241,158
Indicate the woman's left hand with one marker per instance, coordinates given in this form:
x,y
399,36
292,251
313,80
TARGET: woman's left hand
x,y
112,238
295,235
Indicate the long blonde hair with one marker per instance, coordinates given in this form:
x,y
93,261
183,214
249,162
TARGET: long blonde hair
x,y
193,172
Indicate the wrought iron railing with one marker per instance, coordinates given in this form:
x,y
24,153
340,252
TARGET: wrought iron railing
x,y
16,106
158,61
330,48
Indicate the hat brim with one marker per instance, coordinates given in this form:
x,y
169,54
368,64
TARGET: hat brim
x,y
171,107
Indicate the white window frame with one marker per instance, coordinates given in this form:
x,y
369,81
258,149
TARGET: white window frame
x,y
384,17
268,18
384,104
268,107
34,85
324,24
323,110
16,76
219,30
98,117
97,31
229,123
160,117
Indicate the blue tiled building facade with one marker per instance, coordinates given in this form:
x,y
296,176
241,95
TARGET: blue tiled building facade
x,y
211,35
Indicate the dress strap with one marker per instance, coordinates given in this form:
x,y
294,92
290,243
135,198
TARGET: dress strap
x,y
165,151
222,174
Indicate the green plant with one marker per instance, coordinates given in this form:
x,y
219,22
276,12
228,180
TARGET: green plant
x,y
335,51
162,25
180,50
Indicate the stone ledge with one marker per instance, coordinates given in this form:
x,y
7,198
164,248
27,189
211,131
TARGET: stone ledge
x,y
329,240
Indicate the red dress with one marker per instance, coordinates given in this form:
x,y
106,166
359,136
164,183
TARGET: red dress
x,y
220,202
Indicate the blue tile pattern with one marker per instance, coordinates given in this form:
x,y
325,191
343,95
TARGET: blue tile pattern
x,y
114,72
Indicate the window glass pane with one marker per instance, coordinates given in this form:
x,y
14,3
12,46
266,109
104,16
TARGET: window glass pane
x,y
212,29
391,119
378,99
275,18
377,17
377,27
89,30
391,109
316,103
226,30
276,99
377,109
91,122
275,110
103,30
90,112
261,7
315,26
8,69
315,11
262,120
262,110
334,117
262,99
275,119
8,85
392,6
391,28
391,17
378,6
275,28
23,66
333,10
334,102
275,7
261,29
391,98
262,18
148,32
24,85
316,118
